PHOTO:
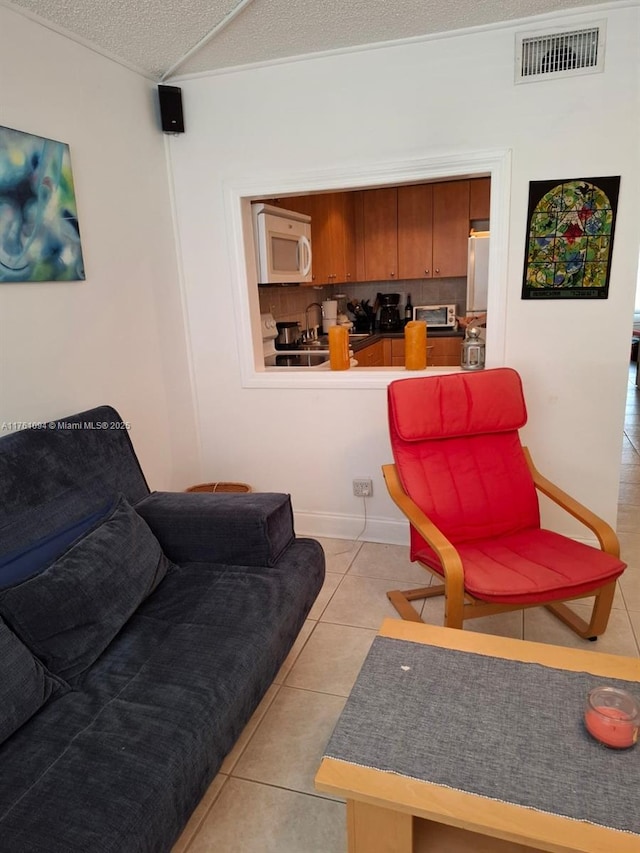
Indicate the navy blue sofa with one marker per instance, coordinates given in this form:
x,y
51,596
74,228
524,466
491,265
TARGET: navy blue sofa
x,y
138,632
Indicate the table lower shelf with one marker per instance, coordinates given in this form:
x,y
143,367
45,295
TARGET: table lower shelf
x,y
376,830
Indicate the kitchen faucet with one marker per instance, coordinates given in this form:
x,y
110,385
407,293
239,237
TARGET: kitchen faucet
x,y
308,336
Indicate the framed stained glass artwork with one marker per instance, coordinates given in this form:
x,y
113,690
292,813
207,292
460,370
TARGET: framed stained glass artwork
x,y
39,231
570,230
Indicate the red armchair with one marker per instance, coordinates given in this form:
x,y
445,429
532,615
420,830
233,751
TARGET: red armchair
x,y
468,488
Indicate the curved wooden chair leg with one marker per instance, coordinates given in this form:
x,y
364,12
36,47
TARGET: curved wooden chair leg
x,y
403,606
454,601
602,610
599,615
401,600
424,592
452,615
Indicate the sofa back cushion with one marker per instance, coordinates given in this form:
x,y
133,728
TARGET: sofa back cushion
x,y
29,560
26,684
70,612
64,471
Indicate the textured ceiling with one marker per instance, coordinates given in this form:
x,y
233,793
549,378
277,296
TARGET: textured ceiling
x,y
161,37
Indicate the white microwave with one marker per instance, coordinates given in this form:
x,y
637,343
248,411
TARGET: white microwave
x,y
283,245
436,316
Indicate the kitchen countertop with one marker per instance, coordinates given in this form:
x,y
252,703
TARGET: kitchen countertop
x,y
361,343
316,358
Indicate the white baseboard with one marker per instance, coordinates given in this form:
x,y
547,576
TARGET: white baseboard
x,y
383,530
333,526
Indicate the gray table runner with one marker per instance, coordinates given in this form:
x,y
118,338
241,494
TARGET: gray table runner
x,y
488,726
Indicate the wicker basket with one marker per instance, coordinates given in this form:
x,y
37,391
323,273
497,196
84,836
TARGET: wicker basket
x,y
220,487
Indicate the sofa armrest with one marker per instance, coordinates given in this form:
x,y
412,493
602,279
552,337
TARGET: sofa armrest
x,y
239,529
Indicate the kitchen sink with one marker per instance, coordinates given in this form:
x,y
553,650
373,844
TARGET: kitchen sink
x,y
297,358
323,341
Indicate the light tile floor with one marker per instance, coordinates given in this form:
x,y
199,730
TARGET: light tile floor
x,y
263,799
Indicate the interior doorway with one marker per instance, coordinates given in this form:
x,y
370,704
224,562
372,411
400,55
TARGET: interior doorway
x,y
635,335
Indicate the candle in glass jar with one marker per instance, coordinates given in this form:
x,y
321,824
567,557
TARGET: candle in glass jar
x,y
611,727
339,348
415,345
612,716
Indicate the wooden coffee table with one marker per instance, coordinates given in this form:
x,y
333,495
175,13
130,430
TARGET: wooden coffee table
x,y
392,813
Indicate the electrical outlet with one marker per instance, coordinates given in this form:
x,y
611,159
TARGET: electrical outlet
x,y
363,488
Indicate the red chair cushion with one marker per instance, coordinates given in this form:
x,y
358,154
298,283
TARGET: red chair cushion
x,y
457,452
459,404
470,487
526,567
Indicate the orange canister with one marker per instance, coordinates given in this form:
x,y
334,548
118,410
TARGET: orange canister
x,y
339,348
415,345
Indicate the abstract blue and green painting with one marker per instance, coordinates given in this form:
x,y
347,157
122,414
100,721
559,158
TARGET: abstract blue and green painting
x,y
39,232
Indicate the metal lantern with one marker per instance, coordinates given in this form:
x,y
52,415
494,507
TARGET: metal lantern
x,y
472,353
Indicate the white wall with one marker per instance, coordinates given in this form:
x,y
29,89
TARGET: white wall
x,y
118,337
420,100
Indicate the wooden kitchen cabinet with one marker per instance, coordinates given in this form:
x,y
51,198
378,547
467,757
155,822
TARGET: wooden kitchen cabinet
x,y
332,235
371,356
376,218
325,264
450,228
441,352
379,354
299,203
445,352
479,198
344,212
433,227
415,231
390,233
397,352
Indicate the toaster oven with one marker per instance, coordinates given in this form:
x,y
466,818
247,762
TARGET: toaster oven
x,y
436,316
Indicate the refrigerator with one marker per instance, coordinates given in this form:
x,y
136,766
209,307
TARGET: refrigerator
x,y
478,272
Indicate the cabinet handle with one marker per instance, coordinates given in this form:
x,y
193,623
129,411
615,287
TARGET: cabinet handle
x,y
348,275
437,270
392,274
427,272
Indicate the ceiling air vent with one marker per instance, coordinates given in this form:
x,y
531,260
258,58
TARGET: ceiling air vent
x,y
562,53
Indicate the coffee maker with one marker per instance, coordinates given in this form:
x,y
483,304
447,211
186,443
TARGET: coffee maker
x,y
389,313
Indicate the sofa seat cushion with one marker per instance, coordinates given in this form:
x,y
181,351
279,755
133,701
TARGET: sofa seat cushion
x,y
153,719
71,611
528,567
25,683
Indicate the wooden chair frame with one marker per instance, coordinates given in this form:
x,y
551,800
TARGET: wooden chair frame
x,y
459,605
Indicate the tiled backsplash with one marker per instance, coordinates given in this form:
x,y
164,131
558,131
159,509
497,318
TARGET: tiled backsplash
x,y
424,291
288,304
